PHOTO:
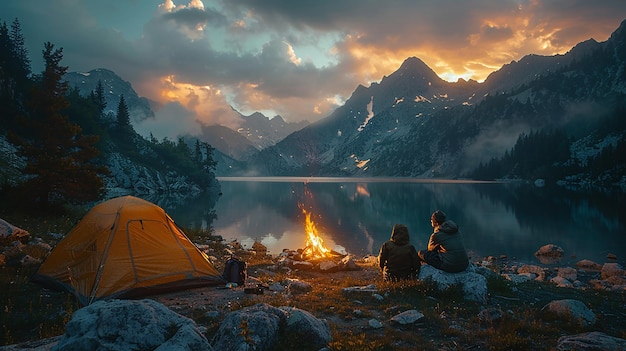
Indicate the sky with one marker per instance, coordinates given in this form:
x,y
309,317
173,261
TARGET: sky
x,y
200,59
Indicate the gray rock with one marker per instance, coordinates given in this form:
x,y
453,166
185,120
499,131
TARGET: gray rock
x,y
347,263
519,278
573,310
261,326
278,287
407,317
356,291
130,325
296,286
252,328
374,323
593,341
304,326
473,284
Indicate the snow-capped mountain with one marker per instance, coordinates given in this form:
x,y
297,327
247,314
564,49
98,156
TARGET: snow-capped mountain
x,y
263,132
114,87
255,133
415,124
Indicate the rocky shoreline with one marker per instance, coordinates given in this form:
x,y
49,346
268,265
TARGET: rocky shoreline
x,y
496,304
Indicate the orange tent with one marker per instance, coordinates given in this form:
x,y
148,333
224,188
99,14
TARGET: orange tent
x,y
124,248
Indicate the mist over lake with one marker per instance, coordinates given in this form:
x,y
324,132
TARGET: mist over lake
x,y
355,215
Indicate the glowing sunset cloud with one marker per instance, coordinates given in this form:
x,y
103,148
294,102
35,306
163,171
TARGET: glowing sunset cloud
x,y
300,60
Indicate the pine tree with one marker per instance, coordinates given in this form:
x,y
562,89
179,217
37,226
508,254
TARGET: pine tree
x,y
209,163
198,152
97,97
59,159
20,54
123,117
14,74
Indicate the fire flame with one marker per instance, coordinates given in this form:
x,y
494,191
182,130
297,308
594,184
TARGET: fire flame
x,y
314,247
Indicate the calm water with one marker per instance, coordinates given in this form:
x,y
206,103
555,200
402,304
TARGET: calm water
x,y
356,216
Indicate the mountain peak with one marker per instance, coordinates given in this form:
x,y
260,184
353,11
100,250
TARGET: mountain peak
x,y
619,35
413,64
415,71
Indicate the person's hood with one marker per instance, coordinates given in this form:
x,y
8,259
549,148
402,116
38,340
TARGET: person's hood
x,y
400,235
449,227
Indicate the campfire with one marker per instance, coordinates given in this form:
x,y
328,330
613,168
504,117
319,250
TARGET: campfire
x,y
314,247
314,255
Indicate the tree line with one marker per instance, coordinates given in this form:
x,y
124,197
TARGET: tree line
x,y
61,139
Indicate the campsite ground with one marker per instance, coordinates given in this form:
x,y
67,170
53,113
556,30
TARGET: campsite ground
x,y
30,313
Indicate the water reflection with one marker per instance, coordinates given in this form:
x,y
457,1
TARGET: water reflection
x,y
357,215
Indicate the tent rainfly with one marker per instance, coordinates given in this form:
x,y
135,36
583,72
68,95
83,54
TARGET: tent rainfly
x,y
125,247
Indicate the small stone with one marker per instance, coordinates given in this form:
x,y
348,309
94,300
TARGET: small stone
x,y
375,323
490,315
568,273
519,278
328,266
561,282
298,286
538,271
407,317
588,265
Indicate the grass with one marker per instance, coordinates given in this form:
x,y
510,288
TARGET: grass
x,y
450,322
28,311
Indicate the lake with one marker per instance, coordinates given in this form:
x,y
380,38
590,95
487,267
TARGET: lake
x,y
356,215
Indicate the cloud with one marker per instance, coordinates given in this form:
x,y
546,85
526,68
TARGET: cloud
x,y
295,58
170,121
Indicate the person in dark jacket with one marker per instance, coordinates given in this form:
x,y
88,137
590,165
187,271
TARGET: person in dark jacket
x,y
446,250
398,258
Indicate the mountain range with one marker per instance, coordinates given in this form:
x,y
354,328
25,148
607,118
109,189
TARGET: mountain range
x,y
414,124
254,133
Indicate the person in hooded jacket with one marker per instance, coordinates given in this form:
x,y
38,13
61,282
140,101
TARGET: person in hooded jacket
x,y
446,250
398,258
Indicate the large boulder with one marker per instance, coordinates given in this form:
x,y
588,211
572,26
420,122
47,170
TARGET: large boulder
x,y
131,325
550,253
10,233
261,327
593,341
612,270
473,284
572,310
304,326
252,328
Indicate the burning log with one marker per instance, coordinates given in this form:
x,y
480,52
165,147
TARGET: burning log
x,y
315,256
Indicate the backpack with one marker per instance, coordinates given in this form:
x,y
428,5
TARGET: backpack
x,y
235,271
